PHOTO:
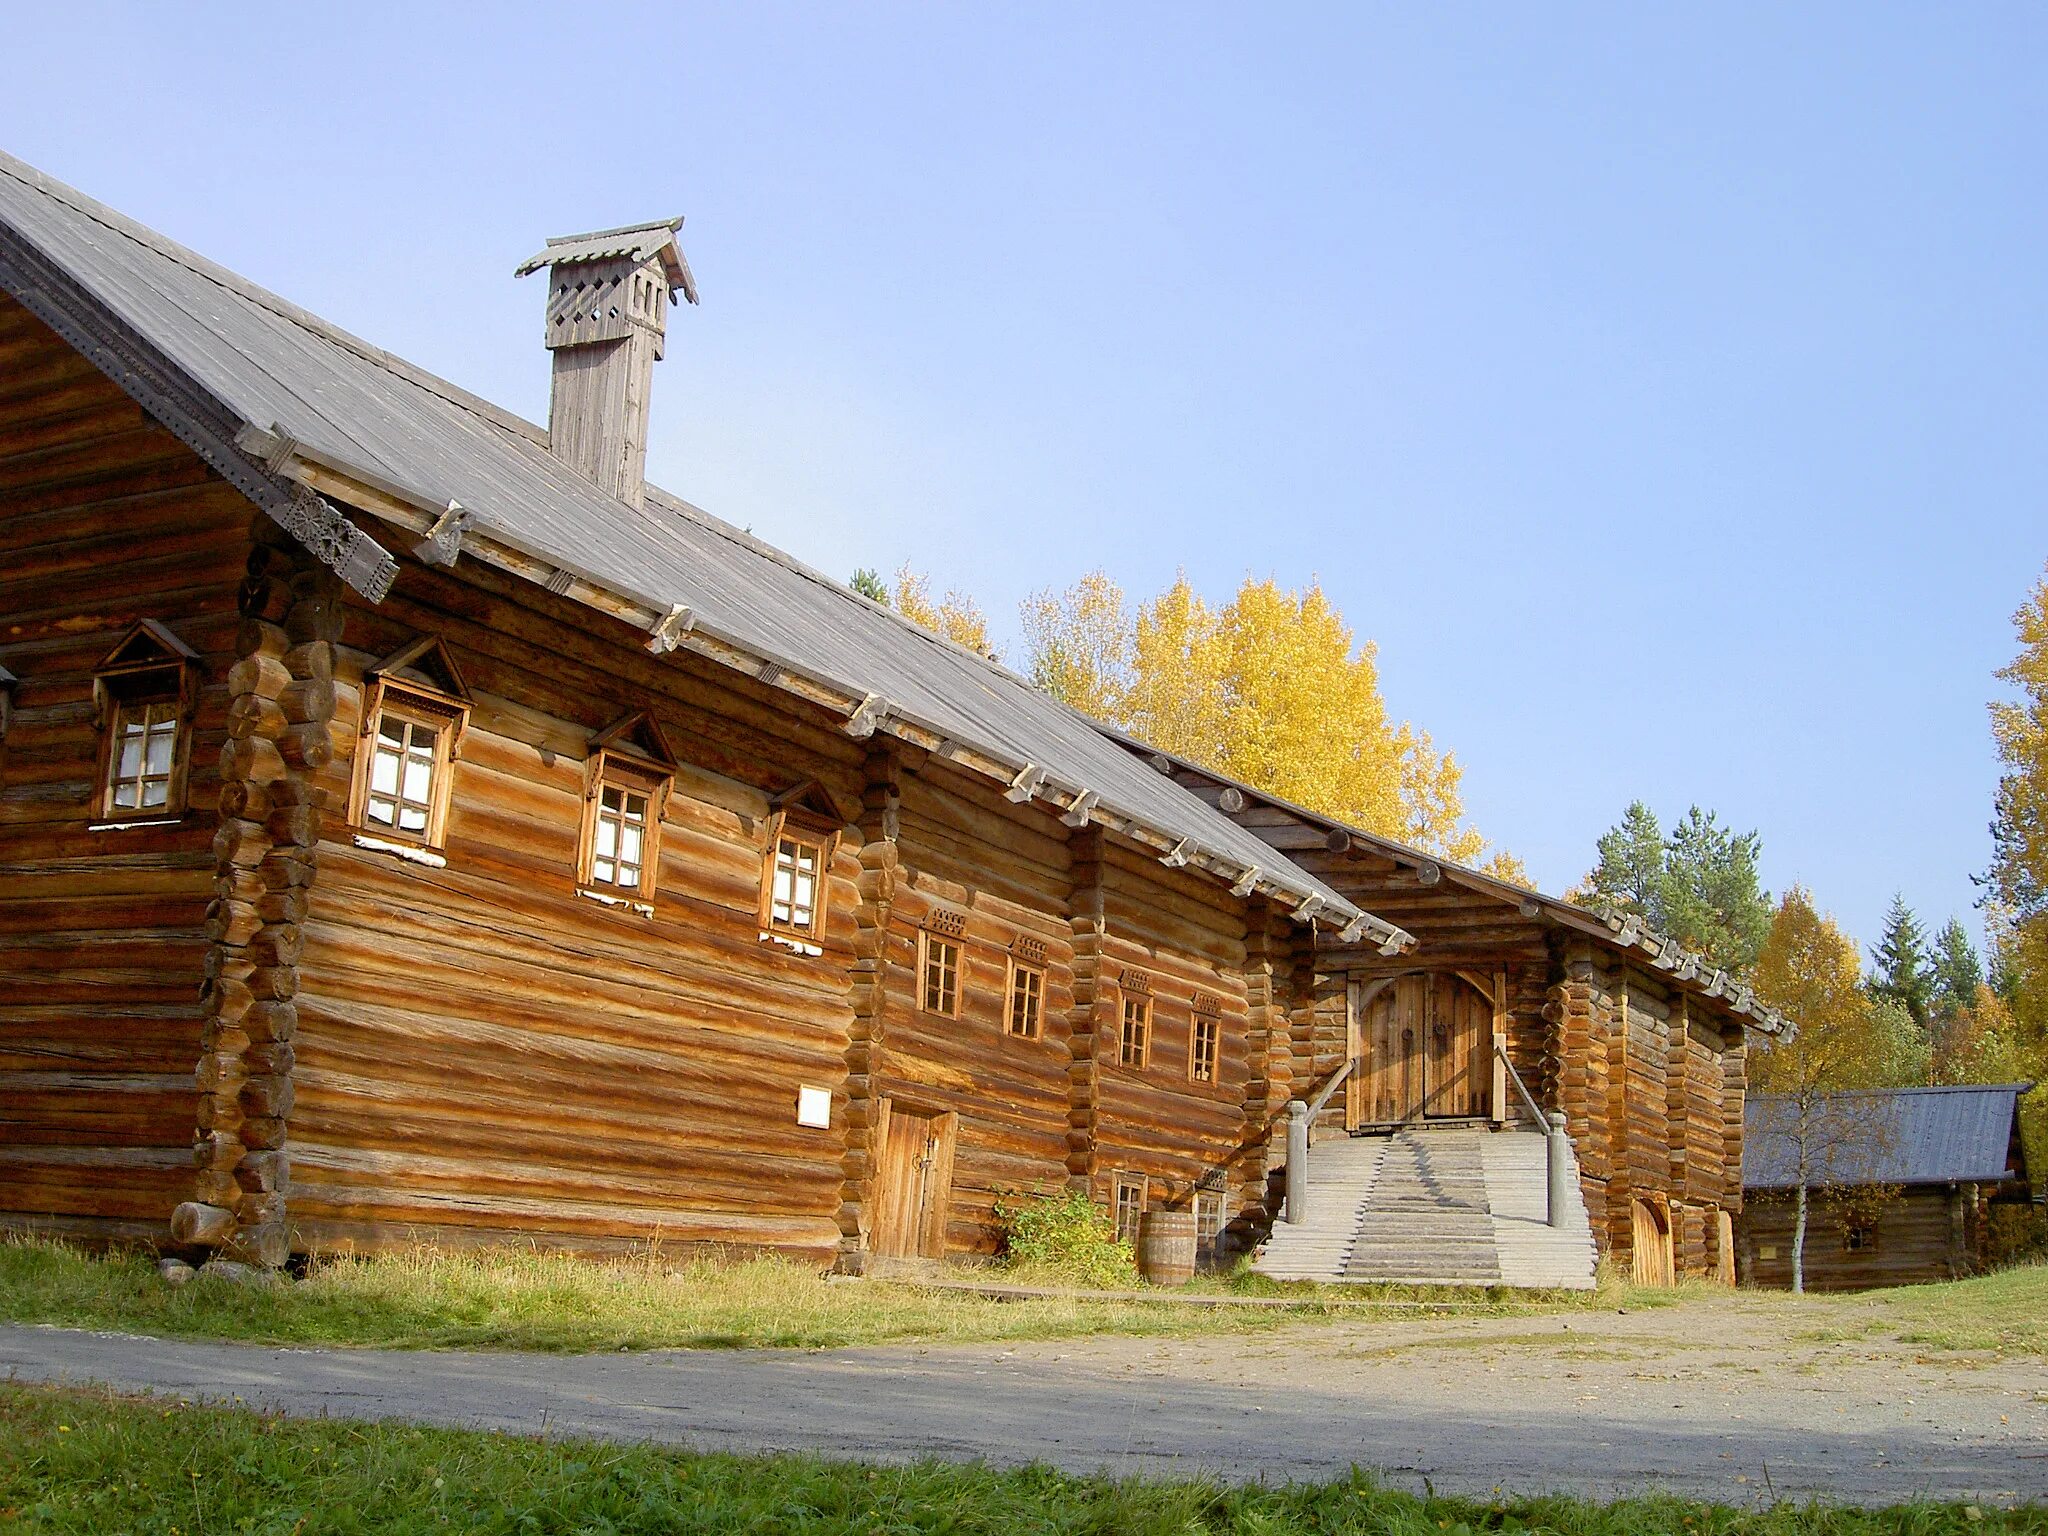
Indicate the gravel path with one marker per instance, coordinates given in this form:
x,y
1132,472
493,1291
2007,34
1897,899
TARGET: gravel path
x,y
1713,1399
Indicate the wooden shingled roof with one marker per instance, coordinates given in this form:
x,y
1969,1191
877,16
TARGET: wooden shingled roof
x,y
309,421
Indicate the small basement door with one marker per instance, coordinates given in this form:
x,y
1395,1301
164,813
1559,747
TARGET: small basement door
x,y
1425,1051
916,1184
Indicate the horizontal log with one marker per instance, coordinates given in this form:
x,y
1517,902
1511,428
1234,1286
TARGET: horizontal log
x,y
195,1225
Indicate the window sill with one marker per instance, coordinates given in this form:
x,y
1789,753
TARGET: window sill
x,y
124,826
406,851
798,945
623,903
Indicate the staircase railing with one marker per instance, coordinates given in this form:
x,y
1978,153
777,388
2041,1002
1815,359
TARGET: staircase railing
x,y
1300,1116
1557,1189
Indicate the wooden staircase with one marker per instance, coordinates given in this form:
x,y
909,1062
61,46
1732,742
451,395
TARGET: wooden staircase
x,y
1432,1206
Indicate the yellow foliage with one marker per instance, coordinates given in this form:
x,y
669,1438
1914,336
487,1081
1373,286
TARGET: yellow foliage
x,y
956,616
1079,643
1809,970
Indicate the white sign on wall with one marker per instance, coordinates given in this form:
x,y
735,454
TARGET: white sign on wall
x,y
814,1108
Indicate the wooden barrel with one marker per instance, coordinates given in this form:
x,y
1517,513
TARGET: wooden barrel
x,y
1166,1247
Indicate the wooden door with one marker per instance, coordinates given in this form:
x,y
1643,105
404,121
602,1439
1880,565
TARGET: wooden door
x,y
915,1185
1426,1043
1651,1260
1460,1067
1393,1032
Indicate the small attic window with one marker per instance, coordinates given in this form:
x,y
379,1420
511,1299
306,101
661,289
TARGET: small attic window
x,y
631,773
144,694
414,710
802,832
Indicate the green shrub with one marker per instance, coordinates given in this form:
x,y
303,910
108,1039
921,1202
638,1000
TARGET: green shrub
x,y
1065,1237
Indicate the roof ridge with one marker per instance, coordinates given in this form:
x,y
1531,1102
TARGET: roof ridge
x,y
118,223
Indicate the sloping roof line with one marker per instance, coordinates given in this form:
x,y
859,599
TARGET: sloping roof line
x,y
1671,959
354,422
1948,1134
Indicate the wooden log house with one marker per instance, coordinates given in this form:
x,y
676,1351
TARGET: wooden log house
x,y
1903,1184
1639,1043
415,825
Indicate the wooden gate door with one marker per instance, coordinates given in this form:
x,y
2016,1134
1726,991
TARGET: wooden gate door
x,y
1460,1069
1427,1044
915,1184
1393,1032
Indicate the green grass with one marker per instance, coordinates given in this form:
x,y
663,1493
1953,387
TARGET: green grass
x,y
519,1299
2002,1313
89,1462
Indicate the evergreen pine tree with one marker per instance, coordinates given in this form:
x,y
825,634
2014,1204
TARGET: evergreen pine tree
x,y
1714,901
1958,972
1629,879
869,584
1903,974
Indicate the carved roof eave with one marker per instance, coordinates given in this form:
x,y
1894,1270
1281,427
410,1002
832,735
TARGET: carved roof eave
x,y
191,414
865,713
1666,955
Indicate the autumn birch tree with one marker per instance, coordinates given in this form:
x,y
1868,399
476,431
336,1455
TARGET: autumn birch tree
x,y
1808,969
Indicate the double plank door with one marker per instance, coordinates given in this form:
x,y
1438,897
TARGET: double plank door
x,y
1424,1044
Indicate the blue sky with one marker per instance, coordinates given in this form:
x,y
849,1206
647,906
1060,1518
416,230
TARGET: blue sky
x,y
1660,390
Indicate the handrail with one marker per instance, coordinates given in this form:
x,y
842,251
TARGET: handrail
x,y
1557,1146
1535,1110
1336,1081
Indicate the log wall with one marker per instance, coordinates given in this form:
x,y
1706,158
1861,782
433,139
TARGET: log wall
x,y
105,519
484,1052
1006,872
1923,1234
1181,937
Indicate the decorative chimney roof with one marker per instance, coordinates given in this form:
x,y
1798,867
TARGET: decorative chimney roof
x,y
607,323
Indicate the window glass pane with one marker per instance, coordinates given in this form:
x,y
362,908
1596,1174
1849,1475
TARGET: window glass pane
x,y
124,796
412,818
131,752
383,812
155,792
419,779
160,741
603,872
636,808
607,835
391,730
384,772
629,846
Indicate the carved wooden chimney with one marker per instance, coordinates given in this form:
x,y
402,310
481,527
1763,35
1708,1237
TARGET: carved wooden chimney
x,y
608,298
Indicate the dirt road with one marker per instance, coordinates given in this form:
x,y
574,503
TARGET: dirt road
x,y
1716,1399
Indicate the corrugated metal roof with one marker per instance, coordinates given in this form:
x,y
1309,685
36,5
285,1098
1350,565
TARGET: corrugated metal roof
x,y
1883,1136
273,365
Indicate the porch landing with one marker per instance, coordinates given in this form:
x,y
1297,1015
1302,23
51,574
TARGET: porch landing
x,y
1441,1206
